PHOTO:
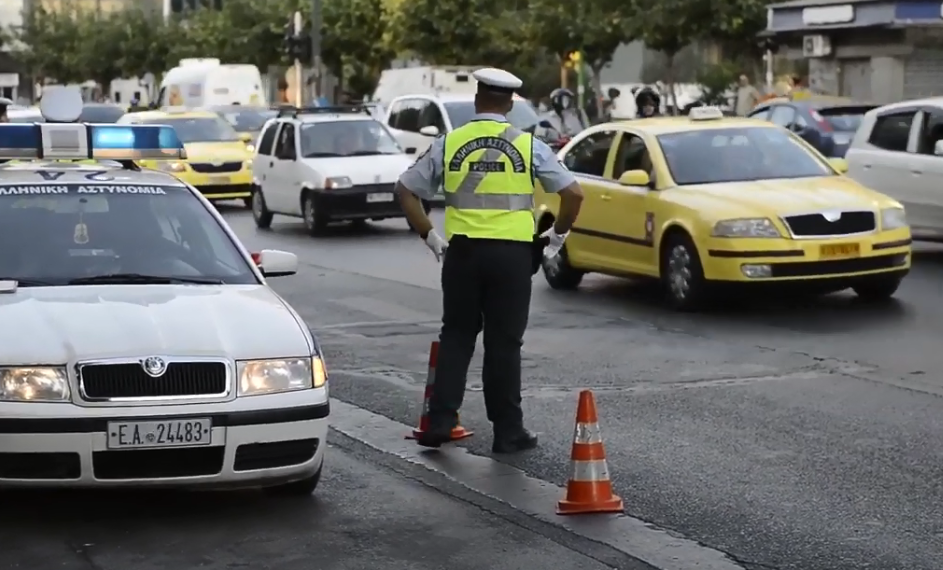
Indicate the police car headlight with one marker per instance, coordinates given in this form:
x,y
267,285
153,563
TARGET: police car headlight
x,y
171,166
893,218
257,377
338,182
746,228
34,384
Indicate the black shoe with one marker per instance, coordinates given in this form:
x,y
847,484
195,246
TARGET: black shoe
x,y
514,442
434,438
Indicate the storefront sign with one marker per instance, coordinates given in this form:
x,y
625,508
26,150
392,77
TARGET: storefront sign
x,y
824,15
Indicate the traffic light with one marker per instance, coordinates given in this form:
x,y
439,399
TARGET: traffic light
x,y
296,46
572,59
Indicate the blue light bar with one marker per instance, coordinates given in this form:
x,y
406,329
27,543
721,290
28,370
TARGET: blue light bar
x,y
72,141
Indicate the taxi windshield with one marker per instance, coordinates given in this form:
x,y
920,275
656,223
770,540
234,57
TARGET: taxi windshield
x,y
198,129
739,154
522,115
75,234
346,138
248,119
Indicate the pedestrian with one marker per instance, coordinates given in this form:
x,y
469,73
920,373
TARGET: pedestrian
x,y
487,170
747,97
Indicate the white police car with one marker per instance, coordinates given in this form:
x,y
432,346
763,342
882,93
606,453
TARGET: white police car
x,y
143,345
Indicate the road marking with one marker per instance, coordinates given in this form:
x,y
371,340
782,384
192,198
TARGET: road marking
x,y
529,495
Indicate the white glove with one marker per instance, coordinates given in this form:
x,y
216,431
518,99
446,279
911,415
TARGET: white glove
x,y
436,244
556,243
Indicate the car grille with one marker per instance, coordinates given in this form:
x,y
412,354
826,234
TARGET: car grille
x,y
207,168
129,380
374,187
816,225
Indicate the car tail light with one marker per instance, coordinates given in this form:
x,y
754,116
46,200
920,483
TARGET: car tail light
x,y
821,122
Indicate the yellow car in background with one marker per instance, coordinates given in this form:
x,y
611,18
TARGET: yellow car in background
x,y
706,200
218,162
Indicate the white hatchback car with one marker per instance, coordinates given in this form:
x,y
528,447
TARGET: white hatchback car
x,y
898,150
148,349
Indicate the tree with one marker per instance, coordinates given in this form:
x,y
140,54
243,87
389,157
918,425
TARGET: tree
x,y
349,42
101,37
49,45
144,47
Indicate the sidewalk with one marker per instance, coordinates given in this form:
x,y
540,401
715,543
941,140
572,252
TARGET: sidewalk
x,y
363,517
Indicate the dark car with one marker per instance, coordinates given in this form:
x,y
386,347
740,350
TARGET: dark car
x,y
101,113
827,123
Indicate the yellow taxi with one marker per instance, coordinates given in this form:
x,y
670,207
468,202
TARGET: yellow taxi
x,y
706,200
218,163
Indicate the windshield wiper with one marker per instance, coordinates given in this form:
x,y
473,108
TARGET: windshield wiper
x,y
142,279
323,155
28,282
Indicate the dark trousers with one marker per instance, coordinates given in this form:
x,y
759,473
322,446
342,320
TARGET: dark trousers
x,y
486,286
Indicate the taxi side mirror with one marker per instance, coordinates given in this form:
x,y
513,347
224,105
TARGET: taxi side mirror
x,y
635,178
246,137
839,164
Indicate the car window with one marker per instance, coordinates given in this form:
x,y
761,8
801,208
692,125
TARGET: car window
x,y
590,154
267,141
408,116
198,129
782,115
347,138
631,155
522,115
762,114
931,131
285,148
70,231
845,119
738,155
891,132
396,110
431,116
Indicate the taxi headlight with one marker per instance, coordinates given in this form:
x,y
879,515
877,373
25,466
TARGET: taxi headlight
x,y
258,377
338,182
746,228
171,166
250,147
248,165
34,384
893,218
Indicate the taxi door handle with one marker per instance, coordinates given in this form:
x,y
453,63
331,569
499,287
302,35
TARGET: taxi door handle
x,y
606,197
915,171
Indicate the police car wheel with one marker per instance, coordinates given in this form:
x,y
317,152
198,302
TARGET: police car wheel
x,y
559,273
315,220
877,289
260,212
682,274
302,488
247,202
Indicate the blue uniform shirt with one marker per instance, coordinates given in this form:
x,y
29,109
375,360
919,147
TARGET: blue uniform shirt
x,y
424,177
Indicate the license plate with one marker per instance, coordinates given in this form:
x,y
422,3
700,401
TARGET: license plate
x,y
220,180
384,197
840,250
168,433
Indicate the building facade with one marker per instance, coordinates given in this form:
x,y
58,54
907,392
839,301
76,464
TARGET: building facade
x,y
871,50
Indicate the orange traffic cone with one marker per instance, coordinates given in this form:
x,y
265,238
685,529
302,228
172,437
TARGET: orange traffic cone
x,y
589,489
458,432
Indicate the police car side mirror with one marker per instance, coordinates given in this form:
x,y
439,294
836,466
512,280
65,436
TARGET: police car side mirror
x,y
429,131
545,124
276,263
635,178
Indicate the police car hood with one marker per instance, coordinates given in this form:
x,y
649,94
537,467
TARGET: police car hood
x,y
371,169
60,325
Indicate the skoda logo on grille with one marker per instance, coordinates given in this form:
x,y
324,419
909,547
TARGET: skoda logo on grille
x,y
831,216
154,366
217,163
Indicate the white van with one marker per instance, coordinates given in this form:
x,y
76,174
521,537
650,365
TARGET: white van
x,y
203,82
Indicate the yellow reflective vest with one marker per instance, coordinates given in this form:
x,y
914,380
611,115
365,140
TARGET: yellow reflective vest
x,y
488,179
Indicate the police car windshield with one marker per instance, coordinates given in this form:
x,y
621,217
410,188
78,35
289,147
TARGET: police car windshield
x,y
522,115
198,129
68,232
738,155
346,138
248,119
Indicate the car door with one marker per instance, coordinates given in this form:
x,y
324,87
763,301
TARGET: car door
x,y
407,124
285,171
925,193
879,159
589,160
263,162
630,214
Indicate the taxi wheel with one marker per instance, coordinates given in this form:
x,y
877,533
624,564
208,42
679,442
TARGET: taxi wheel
x,y
260,212
301,488
315,220
877,289
682,274
559,273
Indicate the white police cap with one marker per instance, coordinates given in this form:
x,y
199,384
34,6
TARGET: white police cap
x,y
497,79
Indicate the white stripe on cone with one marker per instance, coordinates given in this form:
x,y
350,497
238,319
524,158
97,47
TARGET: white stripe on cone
x,y
587,433
589,470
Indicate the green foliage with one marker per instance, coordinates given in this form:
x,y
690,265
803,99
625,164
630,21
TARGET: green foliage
x,y
50,45
349,42
596,27
715,80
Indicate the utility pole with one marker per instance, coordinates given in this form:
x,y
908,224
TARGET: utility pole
x,y
299,79
316,45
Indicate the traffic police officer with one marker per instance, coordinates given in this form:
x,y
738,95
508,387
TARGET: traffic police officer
x,y
487,169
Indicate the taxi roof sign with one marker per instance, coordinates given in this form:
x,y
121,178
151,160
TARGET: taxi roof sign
x,y
705,114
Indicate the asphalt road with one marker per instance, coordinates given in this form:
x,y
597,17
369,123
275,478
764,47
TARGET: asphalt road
x,y
789,434
364,516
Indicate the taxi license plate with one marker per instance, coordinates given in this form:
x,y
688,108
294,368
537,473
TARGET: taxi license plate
x,y
220,179
384,197
840,250
169,433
